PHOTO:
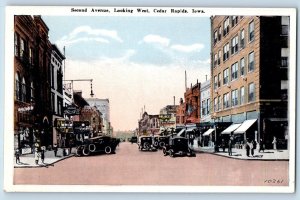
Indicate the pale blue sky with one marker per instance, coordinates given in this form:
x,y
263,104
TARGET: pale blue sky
x,y
134,61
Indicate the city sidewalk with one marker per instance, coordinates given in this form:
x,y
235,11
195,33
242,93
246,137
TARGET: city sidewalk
x,y
268,154
28,161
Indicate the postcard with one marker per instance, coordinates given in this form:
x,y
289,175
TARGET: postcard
x,y
149,99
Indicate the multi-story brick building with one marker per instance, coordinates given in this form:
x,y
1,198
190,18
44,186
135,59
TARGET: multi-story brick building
x,y
149,124
249,75
32,111
192,104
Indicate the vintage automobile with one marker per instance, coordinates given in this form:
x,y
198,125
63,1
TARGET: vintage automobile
x,y
99,144
178,146
133,139
160,141
146,143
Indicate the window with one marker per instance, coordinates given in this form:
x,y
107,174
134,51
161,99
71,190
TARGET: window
x,y
242,36
215,82
242,95
22,48
225,76
219,33
226,100
17,86
207,106
251,62
251,96
219,57
215,60
251,31
226,52
219,80
215,104
234,97
17,45
284,62
219,103
30,56
203,107
23,88
215,36
284,30
53,102
234,44
234,20
242,64
226,26
234,71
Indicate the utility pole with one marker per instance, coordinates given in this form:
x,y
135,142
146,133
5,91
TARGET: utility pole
x,y
90,80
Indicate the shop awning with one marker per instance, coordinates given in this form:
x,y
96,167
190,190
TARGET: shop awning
x,y
208,132
231,128
245,126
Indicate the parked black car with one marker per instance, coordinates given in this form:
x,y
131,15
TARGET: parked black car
x,y
133,139
160,141
100,144
178,146
146,143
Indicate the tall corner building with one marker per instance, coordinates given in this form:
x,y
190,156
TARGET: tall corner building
x,y
249,76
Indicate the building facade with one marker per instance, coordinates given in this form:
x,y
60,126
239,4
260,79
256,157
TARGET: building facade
x,y
167,117
249,80
149,124
56,70
192,104
205,105
104,107
32,105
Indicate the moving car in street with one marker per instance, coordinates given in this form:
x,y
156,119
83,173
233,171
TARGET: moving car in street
x,y
133,139
100,144
160,141
178,146
146,143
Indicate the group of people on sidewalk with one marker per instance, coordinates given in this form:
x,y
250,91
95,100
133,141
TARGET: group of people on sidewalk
x,y
38,152
250,146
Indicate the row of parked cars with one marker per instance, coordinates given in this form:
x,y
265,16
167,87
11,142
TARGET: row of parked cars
x,y
171,145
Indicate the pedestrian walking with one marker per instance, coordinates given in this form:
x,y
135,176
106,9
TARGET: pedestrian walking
x,y
274,143
261,146
36,156
223,145
248,147
230,146
55,149
43,154
17,154
252,147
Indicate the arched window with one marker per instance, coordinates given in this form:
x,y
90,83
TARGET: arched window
x,y
17,86
23,90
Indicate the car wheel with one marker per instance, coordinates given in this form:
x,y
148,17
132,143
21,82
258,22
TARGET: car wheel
x,y
146,146
107,150
78,151
165,151
171,153
92,147
156,144
86,151
161,144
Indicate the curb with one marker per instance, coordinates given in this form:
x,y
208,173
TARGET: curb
x,y
236,158
46,165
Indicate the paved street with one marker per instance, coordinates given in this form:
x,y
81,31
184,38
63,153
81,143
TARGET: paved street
x,y
129,166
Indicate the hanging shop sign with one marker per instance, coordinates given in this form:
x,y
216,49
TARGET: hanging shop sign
x,y
71,110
